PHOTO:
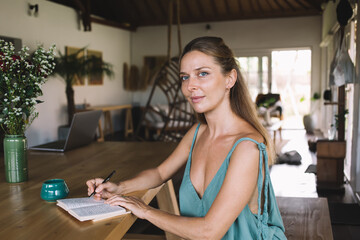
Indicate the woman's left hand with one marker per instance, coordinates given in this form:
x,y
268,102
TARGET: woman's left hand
x,y
134,204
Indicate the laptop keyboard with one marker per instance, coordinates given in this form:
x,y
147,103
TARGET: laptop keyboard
x,y
56,145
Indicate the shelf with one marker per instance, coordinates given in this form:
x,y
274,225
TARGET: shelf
x,y
332,103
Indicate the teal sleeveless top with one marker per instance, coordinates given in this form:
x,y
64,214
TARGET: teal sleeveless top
x,y
268,225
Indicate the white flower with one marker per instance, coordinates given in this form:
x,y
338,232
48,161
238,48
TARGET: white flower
x,y
20,76
16,99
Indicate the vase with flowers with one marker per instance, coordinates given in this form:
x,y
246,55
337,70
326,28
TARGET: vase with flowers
x,y
21,78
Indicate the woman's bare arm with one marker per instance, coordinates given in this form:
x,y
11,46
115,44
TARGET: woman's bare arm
x,y
237,189
149,178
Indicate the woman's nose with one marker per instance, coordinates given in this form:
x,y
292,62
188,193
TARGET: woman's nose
x,y
192,83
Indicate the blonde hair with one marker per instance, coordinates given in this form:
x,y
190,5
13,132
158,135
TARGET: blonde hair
x,y
240,100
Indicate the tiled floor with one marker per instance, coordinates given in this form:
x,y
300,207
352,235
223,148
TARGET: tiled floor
x,y
292,181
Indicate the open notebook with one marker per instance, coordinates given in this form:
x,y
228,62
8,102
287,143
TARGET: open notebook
x,y
82,132
87,208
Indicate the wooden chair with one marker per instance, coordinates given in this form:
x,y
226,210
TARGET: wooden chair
x,y
171,120
269,100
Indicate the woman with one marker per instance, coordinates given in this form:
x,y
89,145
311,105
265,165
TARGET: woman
x,y
226,190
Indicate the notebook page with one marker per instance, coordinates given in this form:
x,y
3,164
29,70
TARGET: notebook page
x,y
97,211
72,203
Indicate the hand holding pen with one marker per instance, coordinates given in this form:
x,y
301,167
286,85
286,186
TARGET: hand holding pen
x,y
93,183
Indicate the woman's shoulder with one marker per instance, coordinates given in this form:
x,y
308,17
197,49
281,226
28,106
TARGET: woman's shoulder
x,y
247,131
257,137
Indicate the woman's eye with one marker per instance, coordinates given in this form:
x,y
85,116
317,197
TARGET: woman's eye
x,y
183,78
203,74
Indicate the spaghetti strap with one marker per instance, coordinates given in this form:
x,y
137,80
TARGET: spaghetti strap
x,y
194,138
262,219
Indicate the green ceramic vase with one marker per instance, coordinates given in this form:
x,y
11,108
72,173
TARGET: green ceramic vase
x,y
16,165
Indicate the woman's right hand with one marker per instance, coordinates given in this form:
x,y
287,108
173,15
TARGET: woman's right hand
x,y
103,190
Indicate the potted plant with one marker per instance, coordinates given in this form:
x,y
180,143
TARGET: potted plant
x,y
76,65
21,77
308,118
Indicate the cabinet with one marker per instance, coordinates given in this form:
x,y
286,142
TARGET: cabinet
x,y
330,165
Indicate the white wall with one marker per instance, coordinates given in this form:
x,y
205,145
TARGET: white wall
x,y
244,35
58,24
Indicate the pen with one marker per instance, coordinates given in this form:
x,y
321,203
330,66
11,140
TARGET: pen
x,y
105,180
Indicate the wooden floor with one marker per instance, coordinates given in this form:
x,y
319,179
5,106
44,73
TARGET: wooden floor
x,y
292,181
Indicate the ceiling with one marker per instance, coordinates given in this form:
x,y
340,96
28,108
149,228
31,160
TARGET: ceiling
x,y
130,14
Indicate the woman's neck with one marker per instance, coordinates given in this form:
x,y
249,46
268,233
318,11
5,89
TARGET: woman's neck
x,y
221,121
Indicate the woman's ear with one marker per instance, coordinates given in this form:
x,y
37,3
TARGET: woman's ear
x,y
231,79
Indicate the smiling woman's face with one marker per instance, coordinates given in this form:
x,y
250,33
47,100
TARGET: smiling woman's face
x,y
203,83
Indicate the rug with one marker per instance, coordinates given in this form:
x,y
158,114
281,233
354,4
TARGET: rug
x,y
344,213
291,157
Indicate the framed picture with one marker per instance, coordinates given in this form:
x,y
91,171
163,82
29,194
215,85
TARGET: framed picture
x,y
78,81
95,79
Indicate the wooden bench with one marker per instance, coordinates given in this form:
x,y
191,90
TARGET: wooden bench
x,y
305,218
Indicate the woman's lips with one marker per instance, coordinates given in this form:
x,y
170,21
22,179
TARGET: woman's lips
x,y
196,99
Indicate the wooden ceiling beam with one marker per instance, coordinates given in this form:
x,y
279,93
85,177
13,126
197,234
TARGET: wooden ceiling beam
x,y
252,6
279,5
162,9
136,12
259,6
240,7
133,15
129,14
85,11
257,15
315,5
289,4
214,8
201,14
150,10
270,6
113,23
187,8
302,4
227,7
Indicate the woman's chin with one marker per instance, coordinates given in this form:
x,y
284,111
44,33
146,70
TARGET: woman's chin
x,y
199,110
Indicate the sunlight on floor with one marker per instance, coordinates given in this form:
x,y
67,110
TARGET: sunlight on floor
x,y
290,180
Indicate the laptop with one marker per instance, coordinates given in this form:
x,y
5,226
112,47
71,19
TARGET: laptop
x,y
82,132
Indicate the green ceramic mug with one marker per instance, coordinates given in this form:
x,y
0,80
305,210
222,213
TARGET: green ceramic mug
x,y
54,189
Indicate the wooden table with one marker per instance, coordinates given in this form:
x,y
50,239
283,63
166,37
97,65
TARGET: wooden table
x,y
108,126
24,215
305,218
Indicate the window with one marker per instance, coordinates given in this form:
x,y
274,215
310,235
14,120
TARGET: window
x,y
287,72
255,71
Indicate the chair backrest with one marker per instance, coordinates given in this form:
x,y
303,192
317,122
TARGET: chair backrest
x,y
176,116
269,100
